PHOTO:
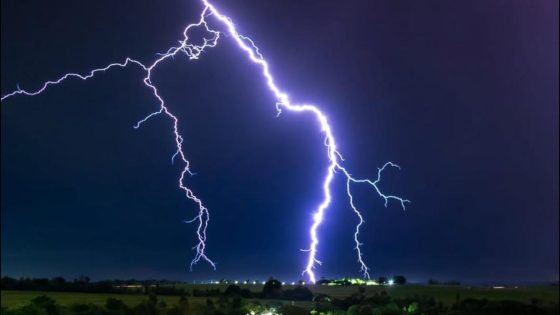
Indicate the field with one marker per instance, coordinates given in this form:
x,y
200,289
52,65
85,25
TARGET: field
x,y
13,298
445,294
449,294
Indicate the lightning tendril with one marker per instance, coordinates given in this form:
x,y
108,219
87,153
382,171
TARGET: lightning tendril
x,y
193,51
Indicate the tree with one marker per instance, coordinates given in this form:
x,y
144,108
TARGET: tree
x,y
9,283
452,282
399,280
365,310
382,280
47,304
272,289
433,282
58,283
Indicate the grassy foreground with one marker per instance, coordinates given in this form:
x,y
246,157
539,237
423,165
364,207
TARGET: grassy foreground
x,y
446,294
449,294
14,298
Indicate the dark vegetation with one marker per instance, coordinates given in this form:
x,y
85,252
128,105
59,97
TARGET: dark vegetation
x,y
43,305
357,304
271,290
436,282
382,304
83,284
236,300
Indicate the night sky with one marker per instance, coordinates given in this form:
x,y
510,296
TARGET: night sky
x,y
462,94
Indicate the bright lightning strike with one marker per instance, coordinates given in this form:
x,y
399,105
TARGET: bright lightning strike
x,y
193,52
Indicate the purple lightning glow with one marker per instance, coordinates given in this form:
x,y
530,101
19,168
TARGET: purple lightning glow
x,y
193,51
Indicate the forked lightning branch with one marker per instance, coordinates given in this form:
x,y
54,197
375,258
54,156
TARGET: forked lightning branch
x,y
210,20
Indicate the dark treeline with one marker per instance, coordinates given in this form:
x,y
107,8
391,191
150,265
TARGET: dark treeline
x,y
271,290
84,284
436,282
81,284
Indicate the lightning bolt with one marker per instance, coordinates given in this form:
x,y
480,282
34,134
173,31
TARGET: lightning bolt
x,y
193,52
